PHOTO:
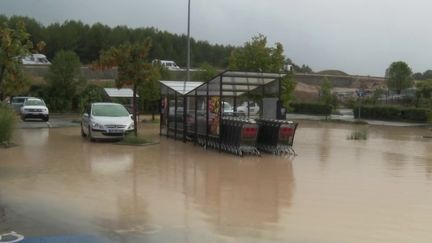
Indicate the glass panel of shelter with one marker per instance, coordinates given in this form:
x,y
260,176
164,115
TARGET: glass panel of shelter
x,y
205,105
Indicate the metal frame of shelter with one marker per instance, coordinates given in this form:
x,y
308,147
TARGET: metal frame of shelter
x,y
195,113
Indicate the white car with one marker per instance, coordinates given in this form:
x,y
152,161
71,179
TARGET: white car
x,y
35,59
168,64
34,108
106,121
253,108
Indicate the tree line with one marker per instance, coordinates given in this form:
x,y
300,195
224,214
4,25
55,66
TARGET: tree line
x,y
89,40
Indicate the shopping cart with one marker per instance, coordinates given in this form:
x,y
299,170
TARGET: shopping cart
x,y
276,136
238,136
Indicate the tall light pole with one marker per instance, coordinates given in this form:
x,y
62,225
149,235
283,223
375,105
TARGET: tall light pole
x,y
185,105
188,49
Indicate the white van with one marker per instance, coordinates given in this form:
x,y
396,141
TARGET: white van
x,y
35,59
170,65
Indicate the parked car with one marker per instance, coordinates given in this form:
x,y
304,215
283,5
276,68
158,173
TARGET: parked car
x,y
170,65
35,59
106,121
34,108
17,102
253,108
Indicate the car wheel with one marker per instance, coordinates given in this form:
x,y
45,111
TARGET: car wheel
x,y
90,135
45,119
82,132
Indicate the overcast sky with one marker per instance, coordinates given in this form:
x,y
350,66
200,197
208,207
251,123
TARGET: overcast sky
x,y
356,36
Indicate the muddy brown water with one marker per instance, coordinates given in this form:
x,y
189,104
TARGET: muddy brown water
x,y
336,190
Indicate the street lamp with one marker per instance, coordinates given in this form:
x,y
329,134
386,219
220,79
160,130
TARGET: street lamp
x,y
187,75
188,49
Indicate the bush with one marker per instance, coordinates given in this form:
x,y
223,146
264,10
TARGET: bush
x,y
358,135
393,113
416,114
378,112
312,108
8,120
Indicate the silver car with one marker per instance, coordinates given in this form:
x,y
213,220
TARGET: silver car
x,y
106,121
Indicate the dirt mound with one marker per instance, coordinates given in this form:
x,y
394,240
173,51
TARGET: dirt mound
x,y
333,72
305,92
368,83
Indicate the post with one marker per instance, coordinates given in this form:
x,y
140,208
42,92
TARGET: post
x,y
184,118
221,107
359,108
134,111
207,115
168,114
196,118
160,114
188,49
248,109
175,116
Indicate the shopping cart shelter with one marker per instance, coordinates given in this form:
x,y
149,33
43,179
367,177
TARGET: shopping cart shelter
x,y
226,113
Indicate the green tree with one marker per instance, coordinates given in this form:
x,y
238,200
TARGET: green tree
x,y
326,96
256,56
150,93
91,93
417,76
398,76
424,89
427,75
424,93
288,85
134,68
14,43
206,72
63,79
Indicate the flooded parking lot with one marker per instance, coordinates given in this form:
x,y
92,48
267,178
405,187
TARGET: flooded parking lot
x,y
56,185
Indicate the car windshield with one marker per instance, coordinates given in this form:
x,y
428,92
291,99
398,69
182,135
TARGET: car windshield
x,y
34,102
109,110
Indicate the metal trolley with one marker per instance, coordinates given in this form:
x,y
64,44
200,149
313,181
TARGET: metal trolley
x,y
239,136
276,136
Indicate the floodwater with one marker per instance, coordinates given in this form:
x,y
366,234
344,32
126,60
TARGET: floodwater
x,y
56,186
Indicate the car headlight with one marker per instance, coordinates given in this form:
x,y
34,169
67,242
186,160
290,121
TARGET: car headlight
x,y
97,125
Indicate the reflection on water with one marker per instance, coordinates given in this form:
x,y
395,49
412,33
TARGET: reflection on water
x,y
396,163
336,190
34,137
109,162
238,196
